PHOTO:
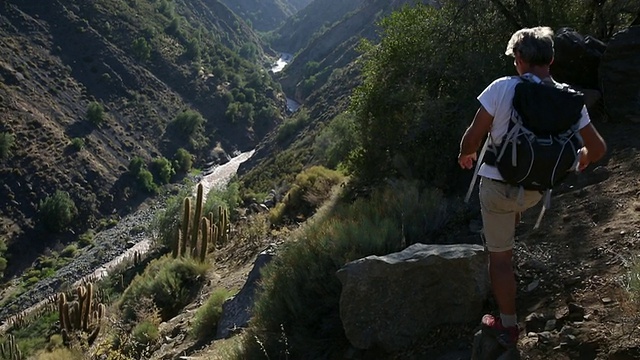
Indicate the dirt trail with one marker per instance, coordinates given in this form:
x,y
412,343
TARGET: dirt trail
x,y
573,271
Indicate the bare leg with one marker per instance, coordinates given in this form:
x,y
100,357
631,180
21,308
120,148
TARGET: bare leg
x,y
503,282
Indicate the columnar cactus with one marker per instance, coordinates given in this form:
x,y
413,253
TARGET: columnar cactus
x,y
79,315
197,216
223,225
186,217
205,229
9,349
200,230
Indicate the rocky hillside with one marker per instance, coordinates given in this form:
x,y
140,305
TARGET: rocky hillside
x,y
141,64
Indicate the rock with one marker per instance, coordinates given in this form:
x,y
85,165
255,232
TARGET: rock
x,y
573,280
577,58
550,325
591,97
535,322
533,285
486,347
576,312
392,301
236,312
628,353
544,337
535,264
620,76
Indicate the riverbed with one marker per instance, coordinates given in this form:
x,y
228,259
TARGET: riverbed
x,y
112,246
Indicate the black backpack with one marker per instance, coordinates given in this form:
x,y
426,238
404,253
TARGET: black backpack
x,y
540,148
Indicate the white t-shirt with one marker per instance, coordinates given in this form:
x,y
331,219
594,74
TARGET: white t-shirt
x,y
496,99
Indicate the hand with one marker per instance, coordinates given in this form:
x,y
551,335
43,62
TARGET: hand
x,y
466,161
583,159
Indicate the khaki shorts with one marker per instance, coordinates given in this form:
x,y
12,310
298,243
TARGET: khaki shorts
x,y
499,204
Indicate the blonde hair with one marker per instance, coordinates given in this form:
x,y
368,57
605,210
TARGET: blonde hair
x,y
535,45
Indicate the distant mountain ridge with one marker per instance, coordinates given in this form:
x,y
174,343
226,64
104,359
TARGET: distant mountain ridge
x,y
327,33
265,15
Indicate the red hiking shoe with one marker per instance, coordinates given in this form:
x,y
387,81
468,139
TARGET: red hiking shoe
x,y
506,336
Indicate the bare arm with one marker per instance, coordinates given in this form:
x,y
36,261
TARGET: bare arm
x,y
473,136
594,146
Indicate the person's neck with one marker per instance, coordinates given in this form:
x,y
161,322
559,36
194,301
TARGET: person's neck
x,y
541,72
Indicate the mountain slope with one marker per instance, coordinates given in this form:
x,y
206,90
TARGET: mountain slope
x,y
144,63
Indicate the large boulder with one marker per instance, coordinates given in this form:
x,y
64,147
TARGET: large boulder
x,y
620,76
237,312
394,300
577,59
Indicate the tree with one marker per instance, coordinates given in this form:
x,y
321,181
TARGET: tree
x,y
336,141
58,211
188,124
419,88
249,51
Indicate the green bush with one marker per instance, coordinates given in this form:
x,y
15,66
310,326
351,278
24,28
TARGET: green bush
x,y
7,141
95,113
169,283
145,182
183,161
165,222
162,170
136,165
33,336
86,239
145,333
189,126
70,251
58,211
206,318
292,126
141,49
227,197
311,188
77,143
300,289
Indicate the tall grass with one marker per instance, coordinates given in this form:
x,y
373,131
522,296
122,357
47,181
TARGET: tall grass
x,y
206,318
297,312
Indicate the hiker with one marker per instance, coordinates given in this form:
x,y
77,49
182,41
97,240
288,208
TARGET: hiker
x,y
501,202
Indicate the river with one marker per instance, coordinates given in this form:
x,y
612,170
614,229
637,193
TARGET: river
x,y
112,246
279,65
